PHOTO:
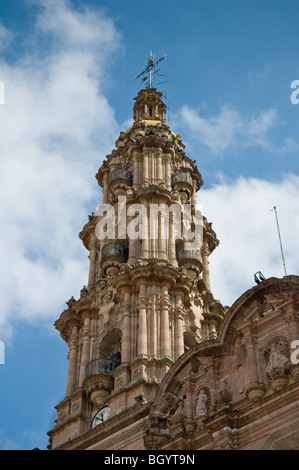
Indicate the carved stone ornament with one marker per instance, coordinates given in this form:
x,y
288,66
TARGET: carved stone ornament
x,y
105,296
70,303
165,405
278,364
179,415
83,291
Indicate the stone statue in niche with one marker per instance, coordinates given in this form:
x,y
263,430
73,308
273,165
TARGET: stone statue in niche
x,y
278,363
201,404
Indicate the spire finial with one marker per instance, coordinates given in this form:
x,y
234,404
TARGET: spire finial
x,y
150,70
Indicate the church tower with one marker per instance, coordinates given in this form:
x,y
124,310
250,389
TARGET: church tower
x,y
148,297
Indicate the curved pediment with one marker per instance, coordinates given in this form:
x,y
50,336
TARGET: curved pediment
x,y
270,297
219,386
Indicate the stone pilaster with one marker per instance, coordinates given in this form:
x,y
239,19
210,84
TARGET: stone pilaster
x,y
165,336
142,327
126,335
205,253
85,349
73,361
92,258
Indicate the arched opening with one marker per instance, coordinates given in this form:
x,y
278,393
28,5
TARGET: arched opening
x,y
110,347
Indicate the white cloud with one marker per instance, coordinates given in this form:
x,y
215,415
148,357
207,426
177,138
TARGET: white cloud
x,y
87,28
246,227
56,127
229,130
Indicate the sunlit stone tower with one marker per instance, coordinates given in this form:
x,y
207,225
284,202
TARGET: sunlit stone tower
x,y
147,299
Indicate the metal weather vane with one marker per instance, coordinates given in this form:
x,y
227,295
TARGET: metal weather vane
x,y
151,71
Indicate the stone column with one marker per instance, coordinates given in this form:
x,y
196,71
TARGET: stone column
x,y
152,234
159,166
165,337
73,358
168,172
85,350
250,344
126,335
132,247
105,188
92,258
153,323
142,330
190,425
171,241
255,389
205,252
162,237
145,166
134,316
146,245
136,181
179,335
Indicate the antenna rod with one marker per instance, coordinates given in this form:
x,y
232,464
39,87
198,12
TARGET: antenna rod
x,y
150,71
151,62
284,265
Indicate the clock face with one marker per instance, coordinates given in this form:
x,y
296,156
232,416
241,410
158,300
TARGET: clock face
x,y
100,416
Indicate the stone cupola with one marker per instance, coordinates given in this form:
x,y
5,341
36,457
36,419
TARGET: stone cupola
x,y
149,106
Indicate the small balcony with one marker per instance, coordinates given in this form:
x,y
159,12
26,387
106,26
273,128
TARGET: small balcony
x,y
101,366
183,254
113,255
182,177
191,260
120,180
114,250
99,382
182,182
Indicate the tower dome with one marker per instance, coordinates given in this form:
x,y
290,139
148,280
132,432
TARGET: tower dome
x,y
149,106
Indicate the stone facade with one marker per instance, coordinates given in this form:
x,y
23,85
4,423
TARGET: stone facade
x,y
155,362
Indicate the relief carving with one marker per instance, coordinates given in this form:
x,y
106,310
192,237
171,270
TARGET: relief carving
x,y
179,415
163,408
278,364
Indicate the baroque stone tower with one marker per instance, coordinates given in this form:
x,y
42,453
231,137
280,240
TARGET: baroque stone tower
x,y
148,298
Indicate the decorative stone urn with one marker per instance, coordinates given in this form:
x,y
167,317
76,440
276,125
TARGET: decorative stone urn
x,y
113,255
295,371
279,382
255,392
99,388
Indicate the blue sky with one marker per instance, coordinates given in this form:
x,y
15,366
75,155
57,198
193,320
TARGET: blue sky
x,y
68,69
